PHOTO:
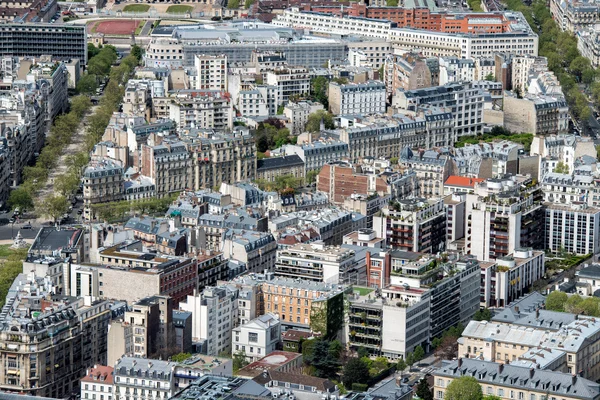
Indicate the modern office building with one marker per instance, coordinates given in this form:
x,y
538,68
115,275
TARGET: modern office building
x,y
37,39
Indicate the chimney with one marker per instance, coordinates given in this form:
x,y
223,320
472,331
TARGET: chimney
x,y
574,379
460,361
531,373
537,313
517,309
500,368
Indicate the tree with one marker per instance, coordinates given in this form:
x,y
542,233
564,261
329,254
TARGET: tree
x,y
423,390
180,357
491,397
356,370
318,89
248,4
589,306
233,4
362,352
66,184
418,353
464,388
556,301
578,65
239,361
561,168
483,315
54,207
401,365
490,77
317,355
447,349
573,304
21,199
87,84
137,52
311,176
314,121
391,3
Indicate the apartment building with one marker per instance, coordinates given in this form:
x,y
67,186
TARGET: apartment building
x,y
340,182
588,45
432,169
156,273
373,323
211,72
319,263
417,225
220,157
146,330
257,338
575,336
102,182
504,215
386,137
214,315
465,100
574,16
574,228
468,45
255,249
168,165
407,72
539,114
98,383
36,39
488,160
289,81
357,98
144,378
373,52
508,278
208,109
297,114
53,79
515,382
296,302
270,168
333,24
38,363
318,153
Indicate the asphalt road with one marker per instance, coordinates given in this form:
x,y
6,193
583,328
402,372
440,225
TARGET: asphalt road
x,y
9,231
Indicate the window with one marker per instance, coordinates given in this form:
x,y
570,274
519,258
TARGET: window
x,y
253,337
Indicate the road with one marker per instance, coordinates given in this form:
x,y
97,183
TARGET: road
x,y
9,231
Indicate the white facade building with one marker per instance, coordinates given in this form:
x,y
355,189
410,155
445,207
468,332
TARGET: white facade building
x,y
328,23
257,338
357,98
211,72
214,313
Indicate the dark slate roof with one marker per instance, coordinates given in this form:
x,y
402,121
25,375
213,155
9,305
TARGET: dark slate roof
x,y
592,271
279,162
50,239
522,378
143,224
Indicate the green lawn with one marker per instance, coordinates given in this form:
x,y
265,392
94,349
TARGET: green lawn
x,y
5,250
138,30
179,9
136,8
362,291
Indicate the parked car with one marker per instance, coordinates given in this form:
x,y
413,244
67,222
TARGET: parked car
x,y
28,226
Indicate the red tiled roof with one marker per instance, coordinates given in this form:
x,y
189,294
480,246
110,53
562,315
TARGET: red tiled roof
x,y
463,181
99,374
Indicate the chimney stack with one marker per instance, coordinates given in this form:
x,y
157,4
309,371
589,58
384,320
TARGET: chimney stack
x,y
460,361
574,379
500,368
531,373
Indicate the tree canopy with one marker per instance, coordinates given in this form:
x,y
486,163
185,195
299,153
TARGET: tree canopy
x,y
356,370
464,388
314,121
